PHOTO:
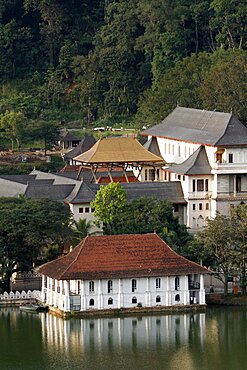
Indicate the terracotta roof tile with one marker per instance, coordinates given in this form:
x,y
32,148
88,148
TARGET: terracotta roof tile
x,y
115,256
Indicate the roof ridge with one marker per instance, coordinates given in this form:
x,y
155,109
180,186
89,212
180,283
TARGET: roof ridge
x,y
77,256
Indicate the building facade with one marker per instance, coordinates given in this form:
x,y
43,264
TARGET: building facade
x,y
121,271
207,153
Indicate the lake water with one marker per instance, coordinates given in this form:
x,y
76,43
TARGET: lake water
x,y
215,340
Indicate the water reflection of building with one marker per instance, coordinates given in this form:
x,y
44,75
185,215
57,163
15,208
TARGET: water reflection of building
x,y
132,333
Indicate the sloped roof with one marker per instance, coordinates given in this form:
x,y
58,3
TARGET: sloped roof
x,y
171,191
84,145
201,126
47,191
120,256
117,150
80,194
65,135
152,146
196,164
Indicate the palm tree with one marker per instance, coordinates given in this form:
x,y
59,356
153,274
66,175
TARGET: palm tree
x,y
82,229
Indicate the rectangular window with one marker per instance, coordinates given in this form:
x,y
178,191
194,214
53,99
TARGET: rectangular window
x,y
87,209
179,177
169,148
207,206
81,210
200,206
177,283
133,285
109,286
230,158
193,206
179,151
194,186
206,185
165,148
151,175
158,284
183,178
173,149
200,185
175,207
158,174
146,175
91,286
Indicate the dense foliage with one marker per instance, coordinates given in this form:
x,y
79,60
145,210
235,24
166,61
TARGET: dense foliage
x,y
26,228
140,216
224,242
97,59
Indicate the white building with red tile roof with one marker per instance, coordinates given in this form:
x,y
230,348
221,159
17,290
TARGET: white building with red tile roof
x,y
120,271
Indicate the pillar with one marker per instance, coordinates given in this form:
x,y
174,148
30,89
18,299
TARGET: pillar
x,y
120,293
202,290
100,296
66,294
148,293
83,299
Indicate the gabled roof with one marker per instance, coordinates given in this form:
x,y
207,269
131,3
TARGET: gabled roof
x,y
196,164
120,256
201,126
117,150
80,194
65,135
152,146
84,145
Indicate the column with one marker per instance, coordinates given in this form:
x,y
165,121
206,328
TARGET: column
x,y
148,293
120,293
66,298
55,294
167,291
202,290
83,299
100,295
186,290
43,289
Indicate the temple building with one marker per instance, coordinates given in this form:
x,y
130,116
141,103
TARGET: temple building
x,y
121,271
206,152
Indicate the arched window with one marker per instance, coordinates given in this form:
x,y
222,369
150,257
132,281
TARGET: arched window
x,y
177,297
158,299
110,301
91,302
134,300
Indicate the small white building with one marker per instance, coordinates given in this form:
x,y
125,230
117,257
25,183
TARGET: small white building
x,y
121,271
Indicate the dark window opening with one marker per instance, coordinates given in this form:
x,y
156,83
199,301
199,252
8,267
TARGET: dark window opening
x,y
134,300
80,210
230,158
193,206
133,285
177,297
91,302
194,186
200,206
110,301
200,185
87,209
177,283
109,286
158,299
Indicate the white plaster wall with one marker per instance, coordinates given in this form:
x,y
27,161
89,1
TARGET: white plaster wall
x,y
74,208
174,151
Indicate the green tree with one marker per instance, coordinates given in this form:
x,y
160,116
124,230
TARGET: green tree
x,y
148,215
108,203
13,125
82,229
46,131
224,240
26,227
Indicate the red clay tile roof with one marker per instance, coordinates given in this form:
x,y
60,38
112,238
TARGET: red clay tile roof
x,y
120,256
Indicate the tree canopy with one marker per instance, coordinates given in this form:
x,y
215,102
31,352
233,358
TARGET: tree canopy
x,y
97,59
144,215
26,227
224,241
